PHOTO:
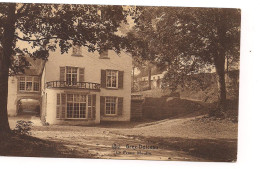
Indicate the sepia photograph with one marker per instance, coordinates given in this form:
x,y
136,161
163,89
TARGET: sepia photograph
x,y
124,82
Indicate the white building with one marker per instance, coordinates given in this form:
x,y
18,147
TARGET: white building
x,y
77,88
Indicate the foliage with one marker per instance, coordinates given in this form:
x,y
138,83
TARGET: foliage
x,y
61,25
187,41
23,127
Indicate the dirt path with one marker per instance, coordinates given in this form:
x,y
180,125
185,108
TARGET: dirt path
x,y
94,142
186,139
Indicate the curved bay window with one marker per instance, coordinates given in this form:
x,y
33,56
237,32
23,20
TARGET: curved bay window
x,y
76,106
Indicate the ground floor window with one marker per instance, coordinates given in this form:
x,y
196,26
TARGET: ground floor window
x,y
111,105
77,106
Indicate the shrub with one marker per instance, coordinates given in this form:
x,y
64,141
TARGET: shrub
x,y
23,127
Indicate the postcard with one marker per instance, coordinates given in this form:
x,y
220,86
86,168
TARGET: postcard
x,y
119,82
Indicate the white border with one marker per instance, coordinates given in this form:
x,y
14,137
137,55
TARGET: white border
x,y
249,115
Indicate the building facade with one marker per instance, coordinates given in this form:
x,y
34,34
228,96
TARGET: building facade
x,y
25,86
82,88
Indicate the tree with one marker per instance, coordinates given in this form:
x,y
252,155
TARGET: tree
x,y
46,26
187,41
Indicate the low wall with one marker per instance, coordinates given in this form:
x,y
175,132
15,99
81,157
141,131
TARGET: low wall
x,y
136,109
165,107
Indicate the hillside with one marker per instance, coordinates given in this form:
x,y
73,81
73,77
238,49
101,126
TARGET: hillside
x,y
203,88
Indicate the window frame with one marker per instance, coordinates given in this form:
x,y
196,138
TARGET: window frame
x,y
26,82
71,73
116,75
73,102
104,54
76,51
116,106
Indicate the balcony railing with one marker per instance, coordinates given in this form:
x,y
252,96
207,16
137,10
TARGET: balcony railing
x,y
73,85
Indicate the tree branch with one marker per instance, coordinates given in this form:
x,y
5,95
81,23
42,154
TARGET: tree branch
x,y
35,40
20,9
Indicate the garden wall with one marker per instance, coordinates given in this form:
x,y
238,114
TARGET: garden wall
x,y
165,107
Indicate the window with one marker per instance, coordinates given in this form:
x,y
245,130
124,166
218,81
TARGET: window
x,y
111,78
104,54
76,106
111,105
71,75
36,84
29,83
76,51
22,83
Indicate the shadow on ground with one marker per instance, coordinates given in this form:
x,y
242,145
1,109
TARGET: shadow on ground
x,y
28,146
218,150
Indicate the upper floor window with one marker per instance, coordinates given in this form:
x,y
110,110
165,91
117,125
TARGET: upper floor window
x,y
76,50
104,54
112,78
36,84
29,83
71,75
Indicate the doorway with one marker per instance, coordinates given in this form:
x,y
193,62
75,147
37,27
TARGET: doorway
x,y
29,107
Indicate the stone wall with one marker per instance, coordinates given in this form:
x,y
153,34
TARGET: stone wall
x,y
136,109
165,107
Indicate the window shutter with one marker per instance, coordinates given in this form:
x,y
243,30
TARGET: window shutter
x,y
120,79
63,105
94,106
102,105
103,78
120,106
62,73
58,107
81,74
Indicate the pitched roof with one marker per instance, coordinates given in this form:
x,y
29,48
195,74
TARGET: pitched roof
x,y
35,68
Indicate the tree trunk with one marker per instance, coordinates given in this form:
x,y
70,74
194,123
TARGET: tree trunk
x,y
4,125
7,44
133,82
219,60
149,76
220,70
